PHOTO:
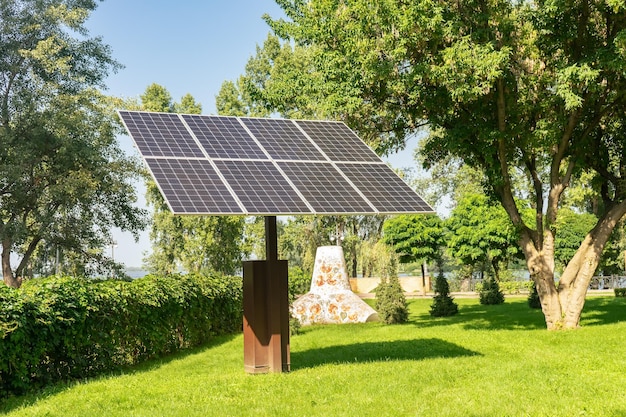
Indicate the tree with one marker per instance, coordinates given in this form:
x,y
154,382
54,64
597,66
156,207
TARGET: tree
x,y
64,181
416,238
490,292
196,243
532,87
443,304
481,233
391,303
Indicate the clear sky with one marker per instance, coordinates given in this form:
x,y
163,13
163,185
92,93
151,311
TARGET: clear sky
x,y
187,46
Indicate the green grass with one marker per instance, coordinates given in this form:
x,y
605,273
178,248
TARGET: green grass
x,y
487,361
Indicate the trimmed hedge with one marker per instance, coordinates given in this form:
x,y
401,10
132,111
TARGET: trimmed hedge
x,y
510,287
63,328
620,292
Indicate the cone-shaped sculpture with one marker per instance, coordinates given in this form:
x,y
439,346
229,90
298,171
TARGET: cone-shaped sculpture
x,y
331,300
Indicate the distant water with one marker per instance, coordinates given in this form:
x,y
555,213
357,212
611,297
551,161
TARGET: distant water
x,y
135,273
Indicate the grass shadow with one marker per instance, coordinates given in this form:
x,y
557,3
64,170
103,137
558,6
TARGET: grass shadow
x,y
32,397
416,350
514,314
603,310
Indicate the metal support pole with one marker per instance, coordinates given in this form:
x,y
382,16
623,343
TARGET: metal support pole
x,y
266,309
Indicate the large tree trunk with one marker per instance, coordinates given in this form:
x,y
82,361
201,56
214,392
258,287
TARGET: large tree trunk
x,y
563,305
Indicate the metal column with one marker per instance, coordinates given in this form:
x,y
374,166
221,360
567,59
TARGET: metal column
x,y
266,309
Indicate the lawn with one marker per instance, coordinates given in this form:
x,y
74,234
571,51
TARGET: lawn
x,y
487,361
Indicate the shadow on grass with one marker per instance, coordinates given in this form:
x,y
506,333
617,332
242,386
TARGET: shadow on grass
x,y
417,349
603,310
515,314
36,395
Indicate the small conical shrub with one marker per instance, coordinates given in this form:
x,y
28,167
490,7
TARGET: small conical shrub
x,y
390,301
533,297
443,304
490,293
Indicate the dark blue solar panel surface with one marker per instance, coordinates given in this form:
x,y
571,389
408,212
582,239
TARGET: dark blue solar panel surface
x,y
228,165
337,141
192,186
224,137
261,188
161,134
383,188
283,140
323,186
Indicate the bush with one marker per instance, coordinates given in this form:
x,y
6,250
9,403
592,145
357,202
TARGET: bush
x,y
490,292
390,301
510,287
443,304
299,282
620,292
63,328
533,297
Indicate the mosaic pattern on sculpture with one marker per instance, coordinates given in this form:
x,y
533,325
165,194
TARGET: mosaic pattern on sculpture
x,y
330,299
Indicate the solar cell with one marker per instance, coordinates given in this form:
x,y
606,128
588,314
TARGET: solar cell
x,y
261,187
160,134
384,189
337,141
223,137
282,139
324,188
192,186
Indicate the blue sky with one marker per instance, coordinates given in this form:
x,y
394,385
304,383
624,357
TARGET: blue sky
x,y
187,46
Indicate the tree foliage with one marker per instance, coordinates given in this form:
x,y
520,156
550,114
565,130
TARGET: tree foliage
x,y
507,87
443,304
391,303
490,292
415,237
480,233
64,181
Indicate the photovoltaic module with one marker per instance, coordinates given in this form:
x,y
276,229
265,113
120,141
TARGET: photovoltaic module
x,y
219,165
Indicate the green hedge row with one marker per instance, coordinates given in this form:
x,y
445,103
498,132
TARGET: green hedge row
x,y
510,287
64,328
620,292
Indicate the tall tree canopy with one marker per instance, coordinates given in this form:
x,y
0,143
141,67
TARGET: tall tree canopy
x,y
531,86
64,182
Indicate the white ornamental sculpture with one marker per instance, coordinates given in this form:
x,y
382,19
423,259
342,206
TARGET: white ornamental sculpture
x,y
331,299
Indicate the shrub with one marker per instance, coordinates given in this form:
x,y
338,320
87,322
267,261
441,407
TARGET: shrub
x,y
533,297
299,282
443,304
510,287
390,301
62,328
620,292
490,292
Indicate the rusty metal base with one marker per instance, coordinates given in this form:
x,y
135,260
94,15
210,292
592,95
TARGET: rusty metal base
x,y
266,317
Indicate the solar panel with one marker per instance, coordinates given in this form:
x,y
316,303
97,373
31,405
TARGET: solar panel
x,y
160,134
337,141
323,186
384,189
224,137
192,186
230,165
261,188
283,140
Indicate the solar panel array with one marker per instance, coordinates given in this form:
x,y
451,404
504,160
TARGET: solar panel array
x,y
239,165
